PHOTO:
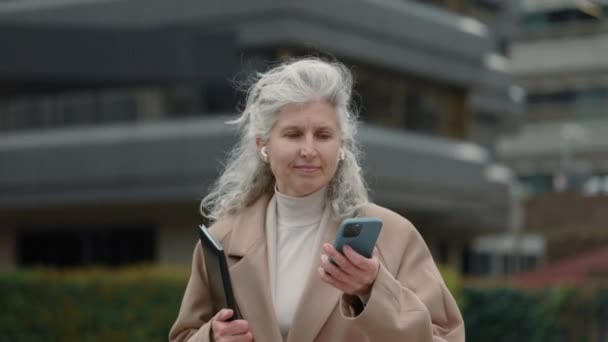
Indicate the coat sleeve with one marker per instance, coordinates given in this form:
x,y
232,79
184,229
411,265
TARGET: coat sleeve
x,y
194,319
410,303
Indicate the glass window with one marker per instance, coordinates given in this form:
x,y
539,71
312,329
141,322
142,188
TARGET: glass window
x,y
182,100
507,264
116,104
550,20
535,22
489,5
484,10
528,262
411,103
553,97
150,103
590,102
392,99
220,97
80,246
375,96
442,252
481,263
466,257
537,183
569,15
421,114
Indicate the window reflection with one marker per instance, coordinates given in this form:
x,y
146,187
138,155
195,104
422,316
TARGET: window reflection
x,y
411,103
486,11
565,21
567,104
383,97
115,105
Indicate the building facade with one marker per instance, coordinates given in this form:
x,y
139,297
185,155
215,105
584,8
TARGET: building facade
x,y
560,59
112,116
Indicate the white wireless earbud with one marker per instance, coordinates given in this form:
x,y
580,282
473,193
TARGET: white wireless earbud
x,y
341,155
264,153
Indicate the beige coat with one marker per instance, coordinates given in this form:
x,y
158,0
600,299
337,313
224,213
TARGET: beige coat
x,y
409,300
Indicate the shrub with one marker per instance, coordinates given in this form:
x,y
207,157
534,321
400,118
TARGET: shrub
x,y
141,304
553,314
130,304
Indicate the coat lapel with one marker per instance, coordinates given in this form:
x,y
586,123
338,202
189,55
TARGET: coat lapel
x,y
247,255
318,299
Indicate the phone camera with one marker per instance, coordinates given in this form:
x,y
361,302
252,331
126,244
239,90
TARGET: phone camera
x,y
352,230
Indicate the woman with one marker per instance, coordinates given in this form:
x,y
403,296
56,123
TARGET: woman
x,y
288,184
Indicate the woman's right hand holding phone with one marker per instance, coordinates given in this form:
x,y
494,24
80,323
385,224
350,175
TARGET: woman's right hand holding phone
x,y
224,330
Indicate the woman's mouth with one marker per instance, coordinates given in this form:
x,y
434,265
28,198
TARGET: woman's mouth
x,y
307,168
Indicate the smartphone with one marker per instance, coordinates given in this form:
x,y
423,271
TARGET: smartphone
x,y
360,233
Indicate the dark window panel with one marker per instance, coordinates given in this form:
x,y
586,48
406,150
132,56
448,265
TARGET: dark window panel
x,y
81,246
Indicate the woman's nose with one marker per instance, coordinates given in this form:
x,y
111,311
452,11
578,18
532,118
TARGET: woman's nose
x,y
308,149
307,153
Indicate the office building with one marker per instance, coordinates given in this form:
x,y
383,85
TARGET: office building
x,y
112,116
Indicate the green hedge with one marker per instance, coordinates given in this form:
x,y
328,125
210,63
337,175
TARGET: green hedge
x,y
132,304
453,281
141,303
554,314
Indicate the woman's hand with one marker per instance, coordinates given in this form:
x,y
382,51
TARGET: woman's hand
x,y
229,331
353,273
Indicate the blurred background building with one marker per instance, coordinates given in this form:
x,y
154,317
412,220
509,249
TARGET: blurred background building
x,y
560,60
112,117
561,153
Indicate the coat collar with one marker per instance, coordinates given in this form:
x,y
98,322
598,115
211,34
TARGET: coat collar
x,y
248,257
248,230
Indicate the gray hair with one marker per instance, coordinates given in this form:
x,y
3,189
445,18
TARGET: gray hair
x,y
246,177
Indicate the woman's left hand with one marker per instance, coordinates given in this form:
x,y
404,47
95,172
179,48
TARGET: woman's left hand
x,y
353,273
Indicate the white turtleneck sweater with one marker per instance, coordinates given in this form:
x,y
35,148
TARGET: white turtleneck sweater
x,y
296,236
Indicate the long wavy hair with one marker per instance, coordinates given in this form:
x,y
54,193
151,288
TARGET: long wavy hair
x,y
246,177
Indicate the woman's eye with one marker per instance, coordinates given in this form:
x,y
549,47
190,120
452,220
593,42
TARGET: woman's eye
x,y
324,136
292,134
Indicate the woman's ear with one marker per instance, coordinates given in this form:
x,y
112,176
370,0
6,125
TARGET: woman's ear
x,y
261,144
264,153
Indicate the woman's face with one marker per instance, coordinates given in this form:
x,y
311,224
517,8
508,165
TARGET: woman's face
x,y
303,147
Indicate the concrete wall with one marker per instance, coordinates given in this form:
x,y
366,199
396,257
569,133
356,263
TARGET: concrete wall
x,y
560,56
176,161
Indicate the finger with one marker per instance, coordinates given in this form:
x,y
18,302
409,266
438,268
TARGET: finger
x,y
368,266
358,260
236,327
223,315
376,253
237,338
333,270
227,329
334,282
247,337
339,259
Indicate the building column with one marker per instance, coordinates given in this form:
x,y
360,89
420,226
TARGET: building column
x,y
8,248
455,255
176,243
